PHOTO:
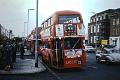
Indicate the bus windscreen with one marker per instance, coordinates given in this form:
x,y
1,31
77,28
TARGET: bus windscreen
x,y
70,43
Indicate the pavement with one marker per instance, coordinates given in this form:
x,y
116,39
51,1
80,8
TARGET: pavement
x,y
26,53
25,66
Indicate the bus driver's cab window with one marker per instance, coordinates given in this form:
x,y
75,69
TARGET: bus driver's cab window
x,y
72,43
67,45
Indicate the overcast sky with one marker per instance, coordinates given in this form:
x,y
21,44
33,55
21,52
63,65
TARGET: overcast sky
x,y
13,13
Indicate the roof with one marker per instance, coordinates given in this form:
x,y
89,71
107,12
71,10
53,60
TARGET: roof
x,y
64,12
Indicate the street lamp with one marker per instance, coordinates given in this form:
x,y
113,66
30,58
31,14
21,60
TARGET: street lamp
x,y
10,34
36,42
28,20
96,29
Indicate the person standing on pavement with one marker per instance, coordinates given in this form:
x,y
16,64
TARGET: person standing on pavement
x,y
22,51
17,47
14,52
1,56
8,56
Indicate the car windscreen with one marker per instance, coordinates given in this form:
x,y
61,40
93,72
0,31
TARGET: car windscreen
x,y
109,46
114,51
89,47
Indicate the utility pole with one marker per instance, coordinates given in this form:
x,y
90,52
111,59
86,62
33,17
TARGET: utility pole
x,y
36,36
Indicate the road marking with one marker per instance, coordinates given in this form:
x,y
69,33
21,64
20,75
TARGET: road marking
x,y
52,72
92,67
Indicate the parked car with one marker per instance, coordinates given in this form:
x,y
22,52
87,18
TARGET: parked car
x,y
108,55
89,49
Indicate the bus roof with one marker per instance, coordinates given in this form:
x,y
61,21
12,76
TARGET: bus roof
x,y
64,12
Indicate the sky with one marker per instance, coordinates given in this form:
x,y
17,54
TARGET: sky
x,y
13,13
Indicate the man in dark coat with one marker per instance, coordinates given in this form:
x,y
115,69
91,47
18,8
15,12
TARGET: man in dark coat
x,y
8,56
1,56
22,51
14,52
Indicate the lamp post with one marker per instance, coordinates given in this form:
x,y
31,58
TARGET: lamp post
x,y
28,20
36,36
10,34
96,29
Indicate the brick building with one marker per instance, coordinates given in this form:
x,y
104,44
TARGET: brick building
x,y
101,21
115,28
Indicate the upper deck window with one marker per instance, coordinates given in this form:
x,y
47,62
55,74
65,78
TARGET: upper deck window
x,y
69,19
70,28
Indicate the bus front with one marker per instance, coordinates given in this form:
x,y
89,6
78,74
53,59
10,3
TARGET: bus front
x,y
69,41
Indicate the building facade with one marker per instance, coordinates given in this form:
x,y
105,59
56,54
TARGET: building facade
x,y
99,27
115,29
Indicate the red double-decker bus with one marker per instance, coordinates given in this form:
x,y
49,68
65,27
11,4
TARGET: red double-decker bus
x,y
62,40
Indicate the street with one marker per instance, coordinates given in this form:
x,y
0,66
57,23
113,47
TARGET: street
x,y
79,38
93,71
